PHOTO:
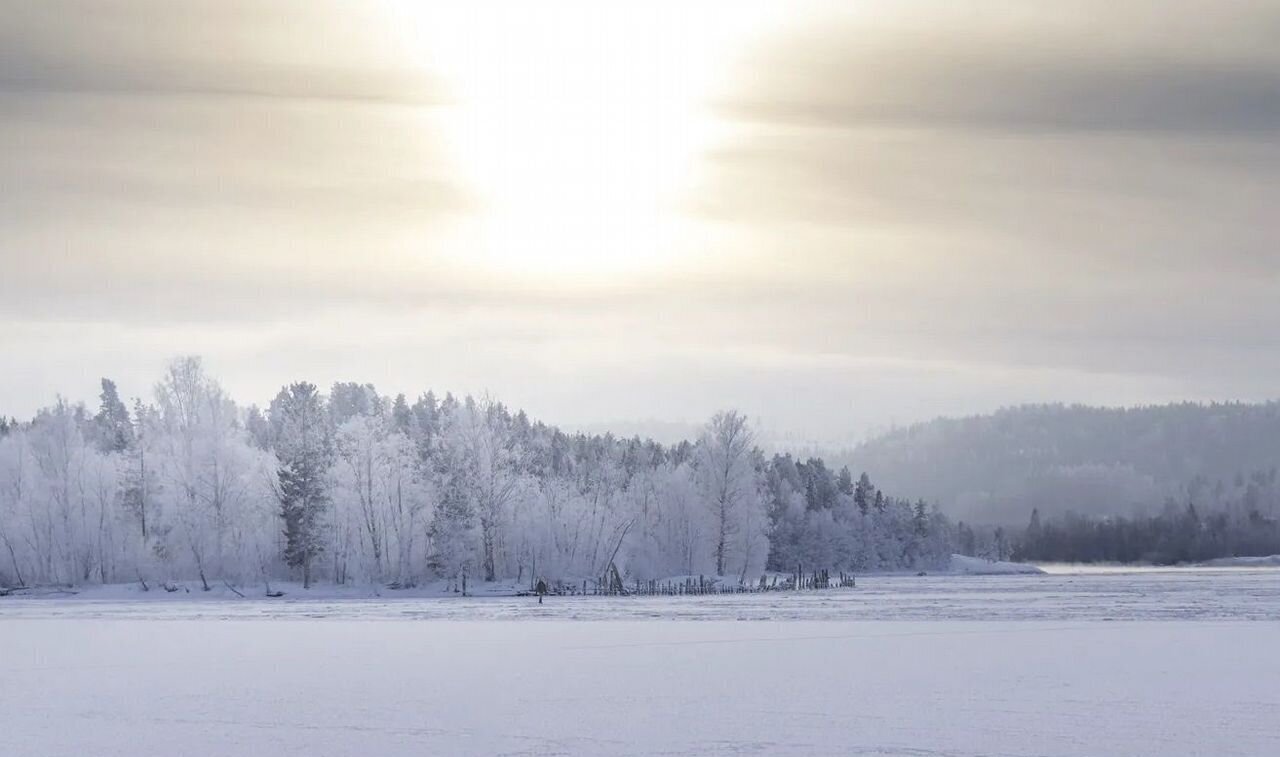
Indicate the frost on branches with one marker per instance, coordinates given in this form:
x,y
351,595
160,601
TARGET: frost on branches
x,y
357,487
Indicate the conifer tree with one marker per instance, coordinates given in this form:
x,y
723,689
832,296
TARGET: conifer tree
x,y
114,429
305,450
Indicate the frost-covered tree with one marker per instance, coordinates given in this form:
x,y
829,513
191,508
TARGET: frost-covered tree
x,y
489,474
409,495
380,495
204,464
394,492
15,493
140,482
727,480
113,425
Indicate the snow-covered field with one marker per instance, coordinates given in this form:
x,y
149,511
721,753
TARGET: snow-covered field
x,y
903,665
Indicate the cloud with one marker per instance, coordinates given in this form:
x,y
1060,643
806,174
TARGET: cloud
x,y
212,160
907,208
285,50
1077,189
1148,67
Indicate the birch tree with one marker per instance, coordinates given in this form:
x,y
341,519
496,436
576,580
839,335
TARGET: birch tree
x,y
727,478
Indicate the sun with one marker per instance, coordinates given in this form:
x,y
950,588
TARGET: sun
x,y
577,126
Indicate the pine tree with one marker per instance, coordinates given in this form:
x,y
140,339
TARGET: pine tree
x,y
114,430
453,533
862,493
401,416
305,450
920,517
844,484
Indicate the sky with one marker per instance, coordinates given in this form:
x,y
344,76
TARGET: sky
x,y
835,217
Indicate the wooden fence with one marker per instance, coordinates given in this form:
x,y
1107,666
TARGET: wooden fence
x,y
613,586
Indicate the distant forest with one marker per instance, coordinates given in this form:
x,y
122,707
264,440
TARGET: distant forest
x,y
1179,534
1086,461
1164,484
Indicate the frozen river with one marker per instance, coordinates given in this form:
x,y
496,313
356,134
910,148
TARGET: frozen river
x,y
1159,663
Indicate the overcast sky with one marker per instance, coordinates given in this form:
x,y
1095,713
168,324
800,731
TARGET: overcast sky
x,y
832,216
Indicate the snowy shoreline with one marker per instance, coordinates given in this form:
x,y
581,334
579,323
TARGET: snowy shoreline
x,y
1270,561
1186,594
960,577
437,589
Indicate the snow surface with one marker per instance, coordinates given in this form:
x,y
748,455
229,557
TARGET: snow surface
x,y
123,688
1244,562
977,566
1184,672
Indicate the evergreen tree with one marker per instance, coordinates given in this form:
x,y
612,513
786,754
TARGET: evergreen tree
x,y
401,415
453,533
920,517
844,484
114,430
305,450
862,493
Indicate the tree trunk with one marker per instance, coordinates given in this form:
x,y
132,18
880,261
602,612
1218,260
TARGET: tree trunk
x,y
17,572
487,533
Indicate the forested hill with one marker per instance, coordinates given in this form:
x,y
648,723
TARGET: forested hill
x,y
356,486
996,468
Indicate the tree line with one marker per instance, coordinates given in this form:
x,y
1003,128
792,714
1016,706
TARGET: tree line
x,y
353,486
1177,534
1093,461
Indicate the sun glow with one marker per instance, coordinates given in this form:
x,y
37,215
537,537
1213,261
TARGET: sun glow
x,y
578,126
